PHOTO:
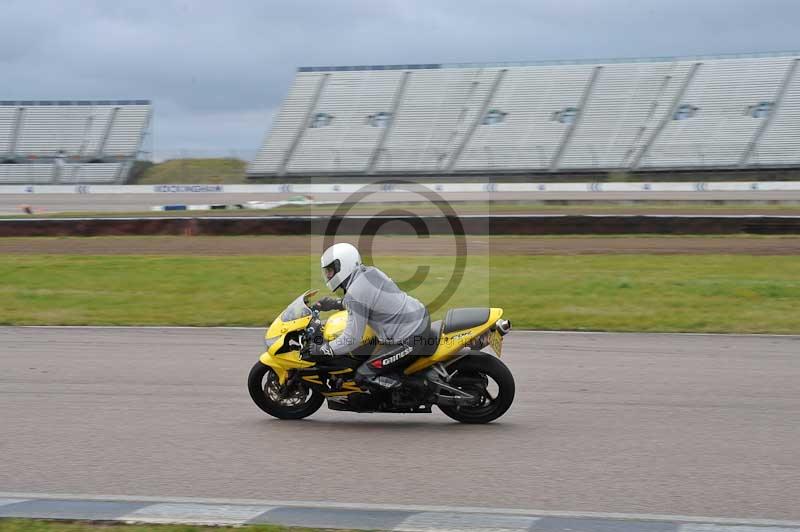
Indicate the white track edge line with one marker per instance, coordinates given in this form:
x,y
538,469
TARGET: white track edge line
x,y
413,508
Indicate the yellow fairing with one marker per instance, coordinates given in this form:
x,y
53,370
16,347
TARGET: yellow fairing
x,y
281,364
280,327
284,362
450,344
335,325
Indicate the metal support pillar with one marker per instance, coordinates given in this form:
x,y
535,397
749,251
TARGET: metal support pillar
x,y
753,144
487,101
15,132
652,111
562,148
303,125
398,97
676,101
101,147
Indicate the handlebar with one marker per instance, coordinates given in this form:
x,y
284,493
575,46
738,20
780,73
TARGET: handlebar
x,y
314,327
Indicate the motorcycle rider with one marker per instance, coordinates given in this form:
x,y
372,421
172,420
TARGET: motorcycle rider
x,y
401,323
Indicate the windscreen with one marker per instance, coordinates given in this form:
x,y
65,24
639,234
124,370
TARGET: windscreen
x,y
296,309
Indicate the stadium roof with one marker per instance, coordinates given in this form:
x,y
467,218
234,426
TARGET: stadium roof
x,y
433,66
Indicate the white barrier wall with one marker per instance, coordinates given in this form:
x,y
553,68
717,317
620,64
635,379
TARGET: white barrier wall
x,y
349,188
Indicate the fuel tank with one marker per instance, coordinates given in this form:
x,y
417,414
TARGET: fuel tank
x,y
335,325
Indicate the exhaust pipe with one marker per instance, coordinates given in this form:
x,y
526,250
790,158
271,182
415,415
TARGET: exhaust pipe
x,y
504,326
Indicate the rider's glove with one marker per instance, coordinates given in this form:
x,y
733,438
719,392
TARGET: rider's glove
x,y
316,350
329,303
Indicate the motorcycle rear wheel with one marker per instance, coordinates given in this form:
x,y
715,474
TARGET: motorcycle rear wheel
x,y
485,366
267,395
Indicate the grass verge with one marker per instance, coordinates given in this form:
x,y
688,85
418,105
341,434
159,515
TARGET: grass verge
x,y
178,171
207,170
672,293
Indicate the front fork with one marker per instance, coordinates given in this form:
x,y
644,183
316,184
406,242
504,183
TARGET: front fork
x,y
284,363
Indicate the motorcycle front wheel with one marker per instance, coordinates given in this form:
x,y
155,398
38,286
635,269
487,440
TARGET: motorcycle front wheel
x,y
282,402
496,388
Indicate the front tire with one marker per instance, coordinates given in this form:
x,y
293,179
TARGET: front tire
x,y
490,368
279,402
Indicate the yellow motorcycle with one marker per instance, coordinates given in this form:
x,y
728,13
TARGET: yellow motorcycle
x,y
463,381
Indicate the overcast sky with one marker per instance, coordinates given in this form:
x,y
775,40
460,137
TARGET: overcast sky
x,y
217,71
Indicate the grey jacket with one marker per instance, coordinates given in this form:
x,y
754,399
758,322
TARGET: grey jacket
x,y
373,299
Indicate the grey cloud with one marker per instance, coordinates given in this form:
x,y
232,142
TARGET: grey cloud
x,y
200,60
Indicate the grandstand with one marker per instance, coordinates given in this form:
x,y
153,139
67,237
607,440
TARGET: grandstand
x,y
70,141
722,112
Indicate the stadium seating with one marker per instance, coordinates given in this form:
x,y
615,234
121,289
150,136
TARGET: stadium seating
x,y
70,141
529,136
27,173
349,139
719,133
662,114
434,115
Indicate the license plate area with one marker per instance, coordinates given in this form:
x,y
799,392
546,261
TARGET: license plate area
x,y
496,342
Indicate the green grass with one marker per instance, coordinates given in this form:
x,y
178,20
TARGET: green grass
x,y
217,170
231,170
194,171
31,525
709,293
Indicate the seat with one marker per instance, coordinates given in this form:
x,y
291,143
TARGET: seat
x,y
432,338
464,318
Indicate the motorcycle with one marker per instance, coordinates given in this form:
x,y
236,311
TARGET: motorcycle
x,y
465,382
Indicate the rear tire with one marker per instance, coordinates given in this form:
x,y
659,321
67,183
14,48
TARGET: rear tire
x,y
302,403
493,368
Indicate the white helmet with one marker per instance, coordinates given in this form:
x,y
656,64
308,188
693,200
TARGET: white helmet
x,y
338,262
